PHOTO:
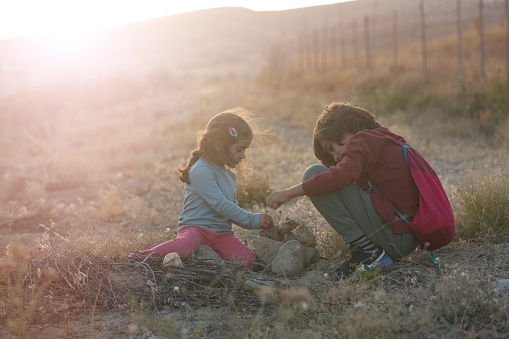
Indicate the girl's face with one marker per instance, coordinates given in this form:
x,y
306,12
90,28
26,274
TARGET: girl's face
x,y
334,148
237,152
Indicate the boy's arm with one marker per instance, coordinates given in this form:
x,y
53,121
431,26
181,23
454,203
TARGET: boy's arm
x,y
277,198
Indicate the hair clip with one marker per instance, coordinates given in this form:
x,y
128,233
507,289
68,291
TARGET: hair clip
x,y
233,132
188,168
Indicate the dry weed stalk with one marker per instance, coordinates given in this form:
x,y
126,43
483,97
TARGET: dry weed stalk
x,y
99,281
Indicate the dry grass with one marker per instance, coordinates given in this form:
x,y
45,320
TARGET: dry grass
x,y
484,204
106,180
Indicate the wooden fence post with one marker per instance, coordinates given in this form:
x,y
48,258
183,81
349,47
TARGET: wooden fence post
x,y
275,63
316,52
395,42
481,39
373,33
423,42
460,44
342,37
307,50
367,42
301,55
355,47
507,35
324,48
333,47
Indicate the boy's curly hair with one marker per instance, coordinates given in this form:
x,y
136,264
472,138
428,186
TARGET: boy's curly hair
x,y
334,122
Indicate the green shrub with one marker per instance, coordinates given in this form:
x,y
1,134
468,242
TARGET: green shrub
x,y
483,197
489,105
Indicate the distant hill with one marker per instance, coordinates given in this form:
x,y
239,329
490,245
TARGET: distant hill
x,y
210,42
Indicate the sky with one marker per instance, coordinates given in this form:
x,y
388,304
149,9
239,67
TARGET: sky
x,y
65,19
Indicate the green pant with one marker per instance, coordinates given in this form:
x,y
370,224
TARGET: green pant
x,y
351,213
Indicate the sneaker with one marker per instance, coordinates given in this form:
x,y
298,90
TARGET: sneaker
x,y
360,262
383,260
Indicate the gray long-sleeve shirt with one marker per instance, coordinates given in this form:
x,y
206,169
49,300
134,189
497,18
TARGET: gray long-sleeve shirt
x,y
210,200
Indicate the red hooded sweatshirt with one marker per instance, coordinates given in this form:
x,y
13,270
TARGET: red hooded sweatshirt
x,y
371,157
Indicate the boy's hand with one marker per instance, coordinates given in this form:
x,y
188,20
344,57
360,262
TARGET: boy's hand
x,y
265,221
277,198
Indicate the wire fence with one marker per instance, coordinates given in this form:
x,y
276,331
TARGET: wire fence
x,y
357,42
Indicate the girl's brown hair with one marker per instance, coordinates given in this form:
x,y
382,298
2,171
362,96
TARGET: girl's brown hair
x,y
227,127
334,122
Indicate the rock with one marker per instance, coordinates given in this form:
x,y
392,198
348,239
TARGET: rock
x,y
287,226
207,253
289,236
272,233
278,232
305,236
253,284
502,285
266,249
289,259
312,255
172,259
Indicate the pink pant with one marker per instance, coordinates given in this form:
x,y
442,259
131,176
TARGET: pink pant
x,y
228,246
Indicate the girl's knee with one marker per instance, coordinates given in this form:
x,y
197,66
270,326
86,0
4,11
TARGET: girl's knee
x,y
313,170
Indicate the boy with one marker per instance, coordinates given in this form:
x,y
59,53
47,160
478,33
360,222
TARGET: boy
x,y
363,183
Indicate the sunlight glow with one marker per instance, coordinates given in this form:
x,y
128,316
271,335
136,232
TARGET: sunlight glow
x,y
66,44
64,18
66,27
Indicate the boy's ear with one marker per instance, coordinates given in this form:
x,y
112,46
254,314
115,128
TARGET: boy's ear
x,y
218,145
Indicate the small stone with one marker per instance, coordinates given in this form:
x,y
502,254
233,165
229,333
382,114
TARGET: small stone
x,y
502,285
172,259
287,226
207,253
266,249
305,236
272,233
290,236
253,284
289,259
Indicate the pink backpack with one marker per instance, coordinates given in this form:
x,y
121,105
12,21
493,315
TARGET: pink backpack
x,y
433,224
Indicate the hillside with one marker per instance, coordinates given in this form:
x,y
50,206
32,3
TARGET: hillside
x,y
215,42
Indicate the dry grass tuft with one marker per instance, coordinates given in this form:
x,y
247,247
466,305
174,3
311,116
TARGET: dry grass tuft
x,y
484,204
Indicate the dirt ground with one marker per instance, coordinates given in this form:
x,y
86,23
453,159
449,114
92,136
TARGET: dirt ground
x,y
71,211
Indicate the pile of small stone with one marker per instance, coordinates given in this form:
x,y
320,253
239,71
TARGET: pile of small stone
x,y
287,248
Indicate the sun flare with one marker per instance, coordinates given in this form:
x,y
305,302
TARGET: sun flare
x,y
65,28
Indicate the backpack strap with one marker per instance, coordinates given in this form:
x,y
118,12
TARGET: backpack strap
x,y
433,258
404,152
405,147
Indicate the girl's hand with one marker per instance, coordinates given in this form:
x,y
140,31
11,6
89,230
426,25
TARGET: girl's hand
x,y
277,198
265,221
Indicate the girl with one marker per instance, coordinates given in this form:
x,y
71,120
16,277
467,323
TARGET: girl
x,y
358,154
210,205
